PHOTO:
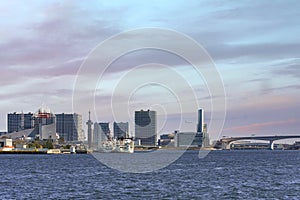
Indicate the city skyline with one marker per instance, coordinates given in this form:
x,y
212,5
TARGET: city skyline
x,y
124,128
254,45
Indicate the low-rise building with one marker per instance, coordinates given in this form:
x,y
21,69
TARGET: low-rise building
x,y
166,140
188,139
3,133
6,144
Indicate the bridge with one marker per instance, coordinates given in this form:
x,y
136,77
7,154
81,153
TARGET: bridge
x,y
226,142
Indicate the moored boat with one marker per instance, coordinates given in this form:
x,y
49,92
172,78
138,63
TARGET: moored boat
x,y
117,146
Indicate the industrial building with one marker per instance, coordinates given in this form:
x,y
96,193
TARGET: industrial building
x,y
188,139
200,138
6,144
166,140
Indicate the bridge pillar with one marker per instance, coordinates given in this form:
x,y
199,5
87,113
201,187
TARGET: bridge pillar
x,y
228,146
271,145
225,145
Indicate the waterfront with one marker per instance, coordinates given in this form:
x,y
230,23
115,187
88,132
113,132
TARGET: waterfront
x,y
220,175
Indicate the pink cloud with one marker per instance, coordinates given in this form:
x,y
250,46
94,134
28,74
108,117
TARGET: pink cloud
x,y
255,127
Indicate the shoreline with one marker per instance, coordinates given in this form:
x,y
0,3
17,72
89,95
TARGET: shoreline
x,y
139,150
48,152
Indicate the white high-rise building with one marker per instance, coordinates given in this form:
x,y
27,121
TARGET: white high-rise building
x,y
89,123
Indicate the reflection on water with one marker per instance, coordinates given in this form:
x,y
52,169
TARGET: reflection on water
x,y
219,175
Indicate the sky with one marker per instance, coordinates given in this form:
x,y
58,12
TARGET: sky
x,y
254,45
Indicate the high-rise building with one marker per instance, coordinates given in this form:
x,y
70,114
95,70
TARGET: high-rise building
x,y
145,127
40,125
105,128
97,136
101,133
194,139
206,140
121,130
44,124
69,126
202,129
28,120
200,124
15,122
19,121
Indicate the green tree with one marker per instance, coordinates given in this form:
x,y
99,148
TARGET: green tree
x,y
61,140
35,144
48,144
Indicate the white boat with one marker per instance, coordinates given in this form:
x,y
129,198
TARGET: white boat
x,y
117,146
124,146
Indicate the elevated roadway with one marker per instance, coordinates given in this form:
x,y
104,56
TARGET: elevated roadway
x,y
226,142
